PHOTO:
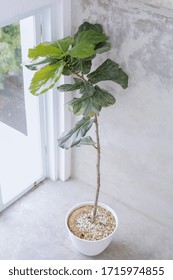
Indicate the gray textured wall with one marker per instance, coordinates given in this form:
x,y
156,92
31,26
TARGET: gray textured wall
x,y
136,133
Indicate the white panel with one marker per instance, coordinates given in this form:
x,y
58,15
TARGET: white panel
x,y
57,116
64,123
21,155
13,9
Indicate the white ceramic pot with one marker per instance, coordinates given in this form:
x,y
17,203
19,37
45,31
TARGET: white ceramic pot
x,y
88,247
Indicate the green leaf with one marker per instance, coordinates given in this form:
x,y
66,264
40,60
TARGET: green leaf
x,y
92,100
65,43
75,106
46,78
109,70
86,141
82,50
87,106
90,104
90,36
71,87
73,137
37,65
90,107
87,89
88,26
103,47
66,71
102,97
84,44
45,49
85,66
75,64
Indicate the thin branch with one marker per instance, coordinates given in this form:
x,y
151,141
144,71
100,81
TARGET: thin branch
x,y
97,168
94,146
81,77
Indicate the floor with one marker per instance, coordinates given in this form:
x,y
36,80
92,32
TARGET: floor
x,y
33,227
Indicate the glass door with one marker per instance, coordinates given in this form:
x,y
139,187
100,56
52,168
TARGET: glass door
x,y
22,146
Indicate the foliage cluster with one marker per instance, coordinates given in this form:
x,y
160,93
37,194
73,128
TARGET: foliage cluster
x,y
74,56
10,51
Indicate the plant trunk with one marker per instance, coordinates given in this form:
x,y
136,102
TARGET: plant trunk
x,y
97,168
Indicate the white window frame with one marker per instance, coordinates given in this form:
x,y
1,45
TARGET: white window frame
x,y
55,21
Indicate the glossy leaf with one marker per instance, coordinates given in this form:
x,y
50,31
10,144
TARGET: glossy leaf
x,y
45,50
109,70
66,71
85,43
92,100
75,135
71,87
102,97
82,50
87,89
88,26
90,36
90,107
85,66
103,47
64,44
46,78
86,141
37,65
75,106
86,106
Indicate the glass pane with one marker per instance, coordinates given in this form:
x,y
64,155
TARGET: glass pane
x,y
21,157
12,104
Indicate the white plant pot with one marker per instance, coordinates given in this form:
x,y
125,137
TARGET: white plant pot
x,y
88,247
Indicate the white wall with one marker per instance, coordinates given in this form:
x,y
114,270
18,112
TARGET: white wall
x,y
136,133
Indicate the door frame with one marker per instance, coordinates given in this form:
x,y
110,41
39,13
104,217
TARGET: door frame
x,y
56,24
54,117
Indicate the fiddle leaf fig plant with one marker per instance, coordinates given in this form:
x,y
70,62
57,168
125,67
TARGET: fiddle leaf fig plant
x,y
73,56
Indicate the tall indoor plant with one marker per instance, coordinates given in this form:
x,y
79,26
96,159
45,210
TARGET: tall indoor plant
x,y
74,56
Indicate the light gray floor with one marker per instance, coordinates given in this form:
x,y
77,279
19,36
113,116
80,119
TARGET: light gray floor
x,y
33,227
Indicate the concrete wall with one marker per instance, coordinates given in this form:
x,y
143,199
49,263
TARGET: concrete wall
x,y
136,133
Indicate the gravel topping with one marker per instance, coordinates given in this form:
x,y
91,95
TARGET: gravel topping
x,y
81,223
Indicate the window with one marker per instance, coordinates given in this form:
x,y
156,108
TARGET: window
x,y
12,103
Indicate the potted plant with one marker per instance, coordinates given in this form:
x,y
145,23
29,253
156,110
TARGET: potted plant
x,y
91,225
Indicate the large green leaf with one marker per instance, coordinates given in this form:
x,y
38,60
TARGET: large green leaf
x,y
65,43
88,26
85,66
84,44
45,49
91,36
71,87
37,65
82,50
86,106
74,136
66,71
102,97
90,104
87,89
103,47
46,78
109,70
90,107
86,141
75,106
92,100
